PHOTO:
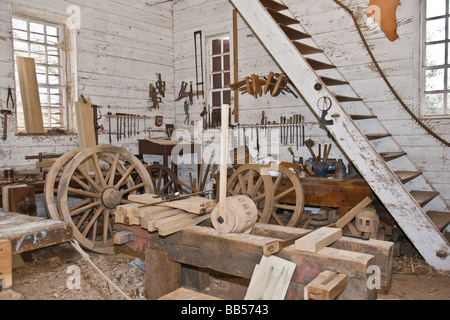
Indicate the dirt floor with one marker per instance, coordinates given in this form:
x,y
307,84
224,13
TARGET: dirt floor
x,y
48,274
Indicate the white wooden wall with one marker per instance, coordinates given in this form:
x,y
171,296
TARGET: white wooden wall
x,y
333,29
121,45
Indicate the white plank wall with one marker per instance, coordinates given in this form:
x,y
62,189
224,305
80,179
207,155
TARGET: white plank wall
x,y
121,45
216,17
334,31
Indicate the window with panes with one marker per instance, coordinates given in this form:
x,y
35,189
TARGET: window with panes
x,y
436,64
220,73
42,42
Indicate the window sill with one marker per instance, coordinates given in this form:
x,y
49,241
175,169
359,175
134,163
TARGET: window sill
x,y
45,134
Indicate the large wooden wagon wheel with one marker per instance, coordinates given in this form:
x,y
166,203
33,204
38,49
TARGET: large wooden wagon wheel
x,y
115,171
164,180
51,183
248,180
288,198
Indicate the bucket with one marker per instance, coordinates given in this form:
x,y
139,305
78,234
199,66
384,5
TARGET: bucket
x,y
321,169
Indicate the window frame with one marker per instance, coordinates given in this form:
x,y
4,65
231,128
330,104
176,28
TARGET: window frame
x,y
446,66
211,73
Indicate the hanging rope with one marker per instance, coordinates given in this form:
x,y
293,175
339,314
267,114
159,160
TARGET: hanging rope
x,y
380,71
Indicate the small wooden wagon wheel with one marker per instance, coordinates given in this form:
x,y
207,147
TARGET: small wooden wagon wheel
x,y
100,192
50,185
164,179
288,197
248,180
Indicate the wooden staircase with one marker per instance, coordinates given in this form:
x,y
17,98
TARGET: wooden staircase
x,y
392,175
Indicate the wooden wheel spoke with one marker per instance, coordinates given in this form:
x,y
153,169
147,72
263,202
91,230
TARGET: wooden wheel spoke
x,y
259,197
242,184
125,177
167,185
277,182
81,183
112,170
133,188
98,170
284,194
256,187
83,218
284,206
106,226
83,193
277,219
250,184
93,220
86,175
79,205
84,208
160,178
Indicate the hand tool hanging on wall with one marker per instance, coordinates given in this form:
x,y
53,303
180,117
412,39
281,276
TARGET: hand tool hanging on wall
x,y
182,93
161,85
7,112
324,104
109,121
200,83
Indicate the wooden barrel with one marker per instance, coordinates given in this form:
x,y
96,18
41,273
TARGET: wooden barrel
x,y
240,214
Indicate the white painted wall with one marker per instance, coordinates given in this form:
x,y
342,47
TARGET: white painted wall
x,y
333,29
121,45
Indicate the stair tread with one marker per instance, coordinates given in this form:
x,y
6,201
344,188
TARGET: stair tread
x,y
388,156
294,34
441,219
378,136
318,65
423,197
406,176
305,49
281,18
334,82
347,99
273,5
362,116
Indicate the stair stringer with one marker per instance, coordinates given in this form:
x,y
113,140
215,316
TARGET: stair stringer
x,y
385,184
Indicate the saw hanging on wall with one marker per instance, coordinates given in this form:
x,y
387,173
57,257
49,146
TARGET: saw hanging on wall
x,y
157,91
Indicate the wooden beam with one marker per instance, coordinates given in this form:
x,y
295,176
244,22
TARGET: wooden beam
x,y
319,239
162,276
29,91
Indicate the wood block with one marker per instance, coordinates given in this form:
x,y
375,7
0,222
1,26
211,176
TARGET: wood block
x,y
123,237
270,280
319,239
160,217
184,223
187,294
326,286
5,264
29,91
162,276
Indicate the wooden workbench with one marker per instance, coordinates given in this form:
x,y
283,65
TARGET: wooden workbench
x,y
329,192
238,254
30,233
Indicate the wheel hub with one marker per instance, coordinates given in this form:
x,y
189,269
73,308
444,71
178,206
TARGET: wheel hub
x,y
111,198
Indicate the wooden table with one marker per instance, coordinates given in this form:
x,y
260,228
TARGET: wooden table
x,y
165,148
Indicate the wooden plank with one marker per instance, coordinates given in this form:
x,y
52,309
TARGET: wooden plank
x,y
341,223
162,276
183,224
327,286
187,294
85,125
5,264
270,280
319,239
29,91
166,217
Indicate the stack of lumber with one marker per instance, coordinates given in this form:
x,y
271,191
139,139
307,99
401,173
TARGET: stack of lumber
x,y
164,217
